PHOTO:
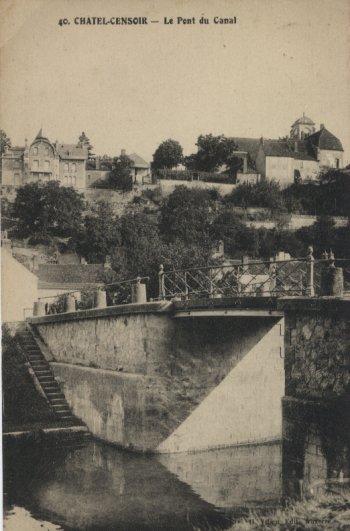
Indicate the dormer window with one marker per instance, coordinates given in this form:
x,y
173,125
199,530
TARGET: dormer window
x,y
35,150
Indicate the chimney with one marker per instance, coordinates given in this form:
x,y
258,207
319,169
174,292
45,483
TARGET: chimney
x,y
296,146
322,126
123,153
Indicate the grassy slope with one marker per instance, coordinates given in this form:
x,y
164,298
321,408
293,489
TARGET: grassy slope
x,y
323,512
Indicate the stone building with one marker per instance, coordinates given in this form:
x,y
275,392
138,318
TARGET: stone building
x,y
301,156
45,161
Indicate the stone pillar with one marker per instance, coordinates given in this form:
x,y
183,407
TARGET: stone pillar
x,y
100,299
138,292
161,293
332,282
310,289
70,303
39,308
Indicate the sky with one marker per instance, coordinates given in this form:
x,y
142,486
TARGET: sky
x,y
132,87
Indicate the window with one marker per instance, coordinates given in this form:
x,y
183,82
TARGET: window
x,y
66,180
47,151
66,166
35,150
17,179
47,165
337,161
35,164
73,167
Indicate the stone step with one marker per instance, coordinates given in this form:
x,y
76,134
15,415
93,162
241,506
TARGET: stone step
x,y
40,366
58,406
54,396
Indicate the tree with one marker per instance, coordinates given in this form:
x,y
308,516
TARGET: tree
x,y
85,142
5,142
335,193
167,155
120,177
100,234
212,152
48,210
321,235
238,239
186,216
265,194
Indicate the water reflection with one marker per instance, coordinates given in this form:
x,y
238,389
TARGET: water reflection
x,y
101,487
231,477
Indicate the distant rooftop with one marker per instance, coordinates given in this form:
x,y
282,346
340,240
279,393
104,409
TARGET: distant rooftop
x,y
70,275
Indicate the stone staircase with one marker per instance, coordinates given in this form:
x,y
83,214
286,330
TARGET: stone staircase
x,y
44,376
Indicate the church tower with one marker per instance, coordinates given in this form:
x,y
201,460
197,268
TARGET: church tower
x,y
302,128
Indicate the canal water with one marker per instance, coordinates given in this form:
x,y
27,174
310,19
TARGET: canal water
x,y
98,486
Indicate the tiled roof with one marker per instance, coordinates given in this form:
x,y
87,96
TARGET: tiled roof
x,y
277,148
70,274
72,151
138,162
40,136
294,149
324,139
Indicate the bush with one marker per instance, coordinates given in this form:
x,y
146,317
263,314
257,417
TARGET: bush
x,y
266,194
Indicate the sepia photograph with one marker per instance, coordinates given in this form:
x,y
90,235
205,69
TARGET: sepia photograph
x,y
175,265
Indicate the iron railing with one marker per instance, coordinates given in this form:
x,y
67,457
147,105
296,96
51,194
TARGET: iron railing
x,y
295,277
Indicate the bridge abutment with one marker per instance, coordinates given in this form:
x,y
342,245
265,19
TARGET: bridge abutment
x,y
141,378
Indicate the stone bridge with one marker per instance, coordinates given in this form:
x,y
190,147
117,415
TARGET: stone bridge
x,y
192,375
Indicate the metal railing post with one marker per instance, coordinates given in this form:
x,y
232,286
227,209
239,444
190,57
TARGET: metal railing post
x,y
310,289
161,288
211,289
186,287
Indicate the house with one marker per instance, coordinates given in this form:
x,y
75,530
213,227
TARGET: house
x,y
19,288
45,161
301,156
55,279
140,168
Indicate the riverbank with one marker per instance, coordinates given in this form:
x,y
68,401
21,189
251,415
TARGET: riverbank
x,y
322,512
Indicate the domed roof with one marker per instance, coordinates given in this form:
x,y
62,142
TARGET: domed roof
x,y
304,120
